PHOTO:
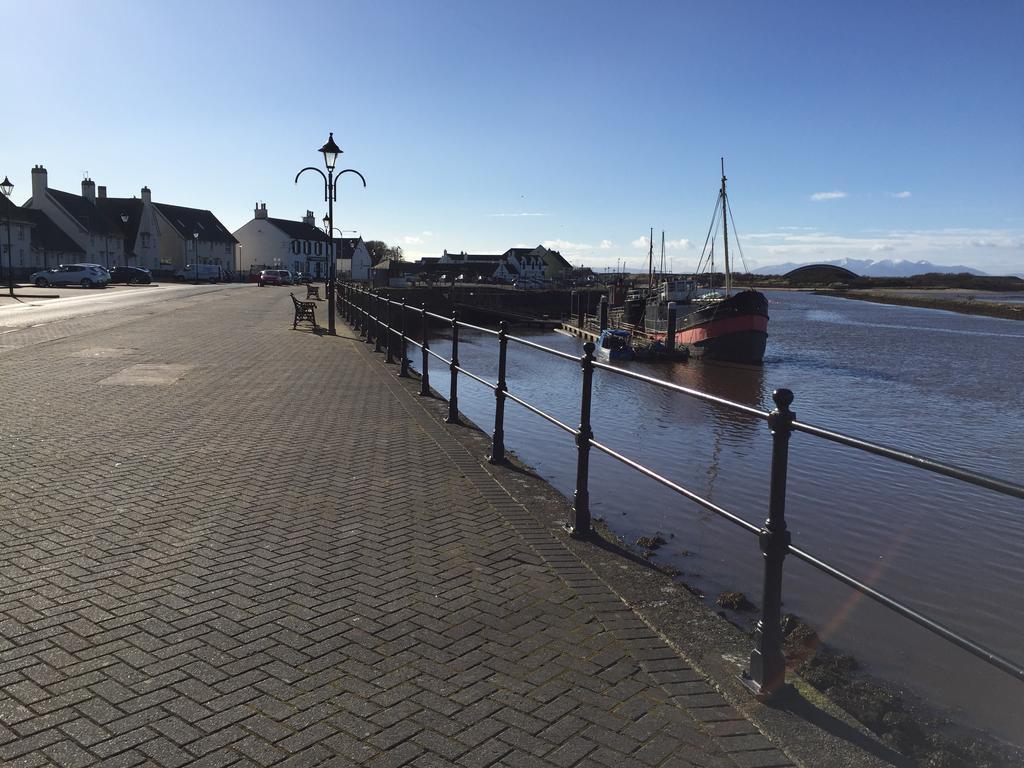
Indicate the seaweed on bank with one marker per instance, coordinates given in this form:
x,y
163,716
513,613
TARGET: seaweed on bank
x,y
902,723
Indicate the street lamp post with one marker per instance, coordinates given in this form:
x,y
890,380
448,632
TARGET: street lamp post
x,y
331,151
8,188
195,254
124,250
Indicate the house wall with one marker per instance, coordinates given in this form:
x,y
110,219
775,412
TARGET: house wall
x,y
21,255
264,245
360,263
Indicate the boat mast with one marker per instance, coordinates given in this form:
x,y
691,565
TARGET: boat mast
x,y
725,231
650,263
663,254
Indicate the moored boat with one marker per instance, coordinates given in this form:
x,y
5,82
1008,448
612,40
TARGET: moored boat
x,y
614,344
719,326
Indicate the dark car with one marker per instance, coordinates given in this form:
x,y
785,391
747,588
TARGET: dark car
x,y
130,275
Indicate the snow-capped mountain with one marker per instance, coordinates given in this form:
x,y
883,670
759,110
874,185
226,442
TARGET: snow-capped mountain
x,y
872,268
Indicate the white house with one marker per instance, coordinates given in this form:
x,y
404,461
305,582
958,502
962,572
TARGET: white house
x,y
101,240
132,231
266,243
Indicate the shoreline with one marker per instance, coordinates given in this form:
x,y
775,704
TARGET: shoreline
x,y
955,300
882,725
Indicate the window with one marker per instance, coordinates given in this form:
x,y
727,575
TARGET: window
x,y
21,231
145,239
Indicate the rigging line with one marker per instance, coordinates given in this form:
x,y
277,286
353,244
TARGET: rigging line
x,y
736,237
713,224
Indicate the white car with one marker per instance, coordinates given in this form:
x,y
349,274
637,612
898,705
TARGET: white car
x,y
210,272
85,275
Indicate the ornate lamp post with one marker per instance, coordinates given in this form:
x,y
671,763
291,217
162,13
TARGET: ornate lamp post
x,y
331,151
195,254
8,188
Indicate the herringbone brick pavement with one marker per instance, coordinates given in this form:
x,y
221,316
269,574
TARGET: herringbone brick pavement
x,y
228,543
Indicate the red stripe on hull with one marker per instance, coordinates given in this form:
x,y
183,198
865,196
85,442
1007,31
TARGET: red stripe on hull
x,y
719,327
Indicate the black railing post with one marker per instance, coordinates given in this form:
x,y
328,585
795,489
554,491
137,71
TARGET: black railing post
x,y
368,318
357,309
425,347
670,332
453,366
348,303
498,438
390,340
404,370
604,313
767,663
579,524
377,324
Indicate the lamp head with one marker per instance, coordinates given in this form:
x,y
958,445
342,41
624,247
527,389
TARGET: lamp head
x,y
6,187
331,152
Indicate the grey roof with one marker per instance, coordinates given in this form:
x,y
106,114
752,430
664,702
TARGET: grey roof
x,y
298,230
187,221
88,214
47,236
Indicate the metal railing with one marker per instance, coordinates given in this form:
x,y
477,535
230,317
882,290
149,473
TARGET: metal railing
x,y
371,314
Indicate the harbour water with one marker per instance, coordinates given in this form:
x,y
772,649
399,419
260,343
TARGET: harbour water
x,y
944,385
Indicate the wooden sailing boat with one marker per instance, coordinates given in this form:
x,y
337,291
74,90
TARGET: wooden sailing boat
x,y
715,326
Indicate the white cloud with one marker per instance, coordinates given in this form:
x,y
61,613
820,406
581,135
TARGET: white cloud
x,y
606,245
412,240
882,247
681,244
834,195
900,195
641,242
568,248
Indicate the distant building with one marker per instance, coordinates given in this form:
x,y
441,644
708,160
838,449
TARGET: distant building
x,y
533,265
300,246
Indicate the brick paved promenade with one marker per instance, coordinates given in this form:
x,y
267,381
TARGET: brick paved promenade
x,y
227,543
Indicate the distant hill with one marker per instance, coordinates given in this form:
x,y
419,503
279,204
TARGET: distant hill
x,y
871,268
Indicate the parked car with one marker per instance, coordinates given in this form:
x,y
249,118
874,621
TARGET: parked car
x,y
85,275
302,277
211,272
130,275
274,277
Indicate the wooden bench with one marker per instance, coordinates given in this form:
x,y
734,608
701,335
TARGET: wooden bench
x,y
312,291
304,310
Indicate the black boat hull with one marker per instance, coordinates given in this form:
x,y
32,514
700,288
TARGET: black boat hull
x,y
734,328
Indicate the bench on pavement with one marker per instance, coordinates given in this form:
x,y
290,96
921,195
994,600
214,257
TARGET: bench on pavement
x,y
312,291
304,310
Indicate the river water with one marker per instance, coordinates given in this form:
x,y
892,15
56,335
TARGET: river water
x,y
944,385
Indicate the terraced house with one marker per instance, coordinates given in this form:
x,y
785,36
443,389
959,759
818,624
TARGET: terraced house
x,y
133,231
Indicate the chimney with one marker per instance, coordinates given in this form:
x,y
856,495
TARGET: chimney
x,y
89,190
101,193
309,219
38,185
261,210
147,196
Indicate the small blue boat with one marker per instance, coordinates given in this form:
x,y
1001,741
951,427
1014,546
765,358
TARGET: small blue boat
x,y
615,344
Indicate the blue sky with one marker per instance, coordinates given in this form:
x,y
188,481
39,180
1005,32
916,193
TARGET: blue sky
x,y
863,130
